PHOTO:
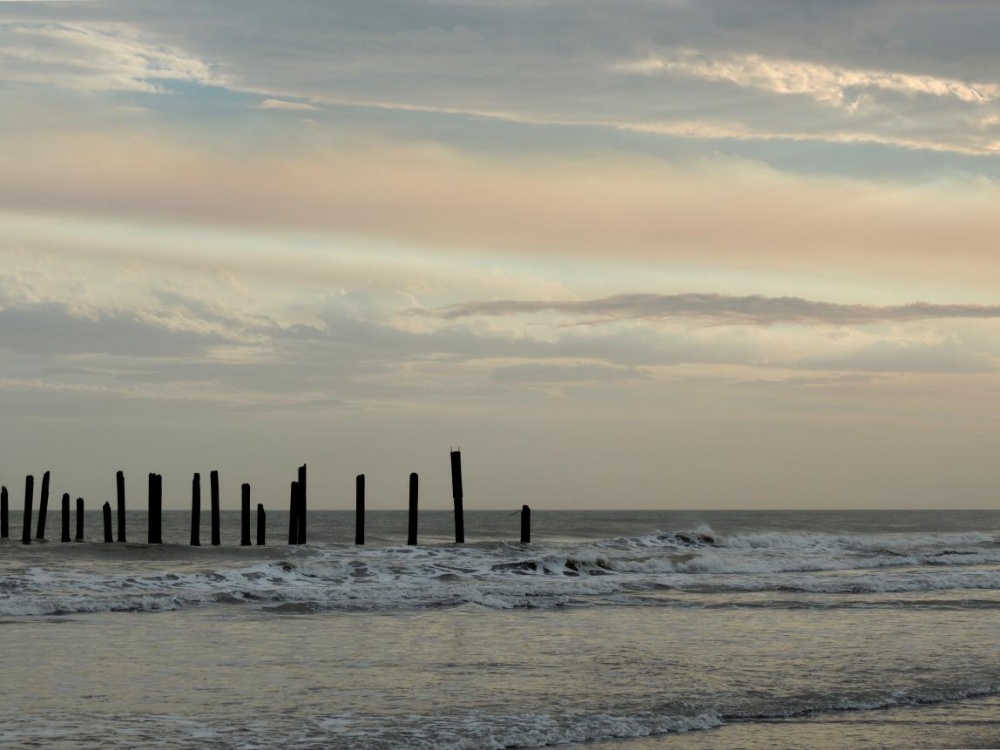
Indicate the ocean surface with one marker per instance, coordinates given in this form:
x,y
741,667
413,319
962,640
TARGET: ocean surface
x,y
611,630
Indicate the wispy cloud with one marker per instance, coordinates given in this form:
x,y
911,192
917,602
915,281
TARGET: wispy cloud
x,y
284,104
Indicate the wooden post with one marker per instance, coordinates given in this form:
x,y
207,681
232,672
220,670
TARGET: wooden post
x,y
261,525
196,510
120,482
411,537
79,520
4,513
245,520
43,507
65,517
293,517
29,492
154,534
525,524
216,540
303,505
359,509
108,538
456,493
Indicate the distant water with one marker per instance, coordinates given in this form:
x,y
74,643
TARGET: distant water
x,y
631,630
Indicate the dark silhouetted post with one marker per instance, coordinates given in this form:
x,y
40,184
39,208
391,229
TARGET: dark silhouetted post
x,y
4,513
108,538
120,481
43,507
29,492
456,493
245,520
196,511
303,505
154,534
65,517
261,525
525,524
411,536
359,509
216,540
293,515
79,520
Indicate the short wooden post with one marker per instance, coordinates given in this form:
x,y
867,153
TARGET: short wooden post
x,y
525,524
411,537
196,510
293,517
303,505
79,520
261,525
359,509
120,483
65,517
456,493
245,520
4,513
216,538
29,492
108,538
43,507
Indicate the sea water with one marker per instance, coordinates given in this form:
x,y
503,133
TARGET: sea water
x,y
627,630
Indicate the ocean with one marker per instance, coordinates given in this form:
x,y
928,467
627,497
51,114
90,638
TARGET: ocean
x,y
613,630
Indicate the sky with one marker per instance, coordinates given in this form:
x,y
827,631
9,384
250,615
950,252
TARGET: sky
x,y
662,254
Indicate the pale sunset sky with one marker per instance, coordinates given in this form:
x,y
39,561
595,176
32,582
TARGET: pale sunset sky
x,y
664,254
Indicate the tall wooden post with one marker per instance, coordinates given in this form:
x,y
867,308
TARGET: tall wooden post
x,y
293,515
196,510
525,524
65,518
411,536
4,513
154,533
29,492
216,539
108,538
79,520
120,486
245,519
456,493
43,507
261,525
303,504
359,509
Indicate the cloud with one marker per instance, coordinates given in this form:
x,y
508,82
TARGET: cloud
x,y
283,104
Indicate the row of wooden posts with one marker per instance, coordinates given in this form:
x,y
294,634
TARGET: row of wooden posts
x,y
296,517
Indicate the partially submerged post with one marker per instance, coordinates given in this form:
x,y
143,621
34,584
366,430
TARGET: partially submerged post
x,y
411,537
108,538
196,510
43,507
29,492
261,525
120,484
359,509
79,520
525,524
65,517
293,516
303,504
216,541
154,534
456,493
245,520
4,513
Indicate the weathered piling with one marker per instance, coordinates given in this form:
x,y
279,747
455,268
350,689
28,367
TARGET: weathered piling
x,y
216,539
261,525
293,517
303,505
154,534
245,520
79,520
359,509
456,493
29,492
43,507
108,538
411,536
525,524
196,510
120,486
4,513
65,518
